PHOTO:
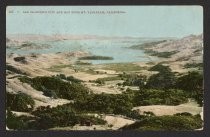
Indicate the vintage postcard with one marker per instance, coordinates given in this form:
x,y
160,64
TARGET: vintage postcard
x,y
104,68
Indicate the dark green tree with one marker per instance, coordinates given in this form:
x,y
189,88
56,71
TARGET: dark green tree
x,y
20,102
193,84
162,80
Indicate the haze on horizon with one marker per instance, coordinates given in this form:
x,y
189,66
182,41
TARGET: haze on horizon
x,y
137,21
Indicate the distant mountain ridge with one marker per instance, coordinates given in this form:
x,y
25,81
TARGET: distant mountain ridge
x,y
55,37
28,37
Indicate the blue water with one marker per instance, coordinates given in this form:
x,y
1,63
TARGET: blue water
x,y
118,49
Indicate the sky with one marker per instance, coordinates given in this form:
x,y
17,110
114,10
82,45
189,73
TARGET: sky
x,y
134,21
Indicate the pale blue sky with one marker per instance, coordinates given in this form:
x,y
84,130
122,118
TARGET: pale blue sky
x,y
137,21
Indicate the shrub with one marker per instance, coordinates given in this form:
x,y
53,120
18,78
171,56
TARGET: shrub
x,y
20,59
161,68
164,54
105,103
183,114
68,78
19,102
134,80
15,70
19,122
193,84
55,87
159,97
109,78
165,79
194,65
193,81
62,116
100,81
167,123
